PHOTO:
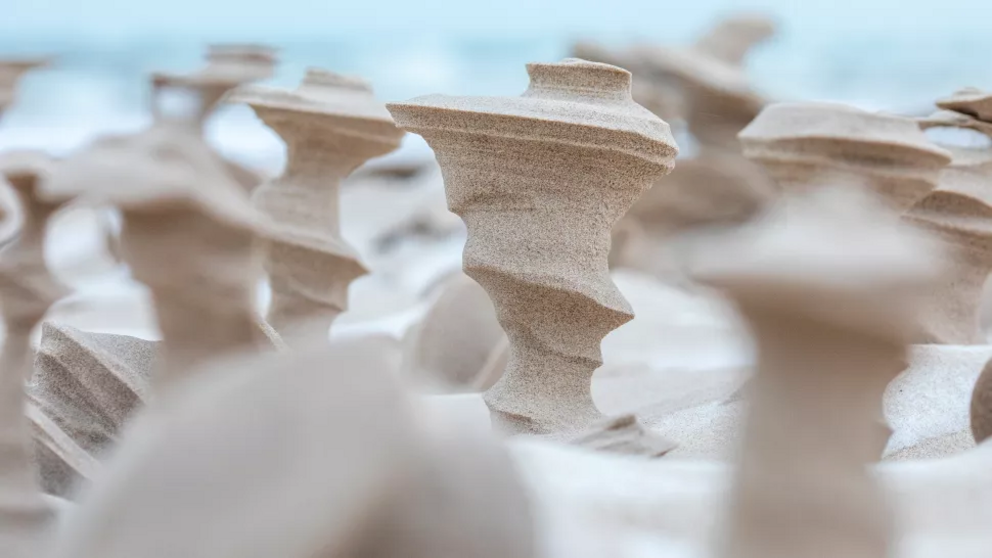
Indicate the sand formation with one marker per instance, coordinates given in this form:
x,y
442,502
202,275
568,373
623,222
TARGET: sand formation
x,y
185,223
199,445
331,125
527,175
11,71
832,328
704,86
555,507
228,66
661,72
362,491
27,290
956,210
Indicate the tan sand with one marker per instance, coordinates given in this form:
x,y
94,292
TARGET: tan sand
x,y
832,327
981,406
274,456
457,344
228,66
11,71
27,290
331,125
958,210
185,223
527,175
804,144
85,387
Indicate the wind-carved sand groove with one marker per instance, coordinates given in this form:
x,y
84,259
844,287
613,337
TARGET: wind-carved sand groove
x,y
85,387
540,180
966,196
331,125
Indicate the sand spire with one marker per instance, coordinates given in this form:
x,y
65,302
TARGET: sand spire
x,y
331,125
832,327
540,180
188,231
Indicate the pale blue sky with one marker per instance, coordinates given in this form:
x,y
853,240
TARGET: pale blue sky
x,y
287,18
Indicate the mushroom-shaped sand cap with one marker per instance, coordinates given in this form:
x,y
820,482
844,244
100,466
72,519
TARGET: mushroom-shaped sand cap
x,y
836,255
227,64
343,102
151,171
971,101
573,102
828,136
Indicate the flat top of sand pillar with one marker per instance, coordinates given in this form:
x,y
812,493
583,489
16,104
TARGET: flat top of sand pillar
x,y
844,132
582,103
348,99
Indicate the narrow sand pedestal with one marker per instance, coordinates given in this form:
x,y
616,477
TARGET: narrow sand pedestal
x,y
540,180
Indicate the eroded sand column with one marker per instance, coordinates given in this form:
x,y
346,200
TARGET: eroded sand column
x,y
188,232
832,326
802,145
959,211
540,180
27,290
331,125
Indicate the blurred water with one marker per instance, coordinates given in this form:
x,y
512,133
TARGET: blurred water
x,y
99,84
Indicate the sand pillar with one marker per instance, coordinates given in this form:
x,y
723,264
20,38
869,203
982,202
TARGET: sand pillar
x,y
27,290
540,180
331,125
